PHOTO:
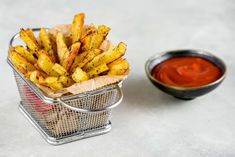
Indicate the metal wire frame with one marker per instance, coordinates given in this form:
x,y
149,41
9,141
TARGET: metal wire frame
x,y
69,118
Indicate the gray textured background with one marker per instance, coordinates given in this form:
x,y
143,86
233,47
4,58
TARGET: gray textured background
x,y
148,122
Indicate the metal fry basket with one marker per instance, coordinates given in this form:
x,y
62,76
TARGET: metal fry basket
x,y
67,118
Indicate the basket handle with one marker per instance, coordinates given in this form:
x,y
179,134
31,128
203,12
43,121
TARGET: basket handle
x,y
94,110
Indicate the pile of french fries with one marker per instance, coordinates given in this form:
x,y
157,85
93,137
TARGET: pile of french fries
x,y
58,62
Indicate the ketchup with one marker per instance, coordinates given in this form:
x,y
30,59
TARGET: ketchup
x,y
187,72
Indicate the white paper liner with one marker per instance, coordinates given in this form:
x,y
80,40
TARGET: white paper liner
x,y
85,86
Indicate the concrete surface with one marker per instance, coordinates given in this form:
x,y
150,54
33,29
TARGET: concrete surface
x,y
148,123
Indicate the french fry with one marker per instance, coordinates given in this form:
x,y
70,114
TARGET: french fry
x,y
29,39
62,49
43,52
106,57
77,27
86,37
75,63
37,77
86,42
53,83
46,42
59,69
26,54
44,62
88,56
79,75
54,46
78,61
119,67
31,35
89,30
21,63
66,81
97,70
74,51
99,37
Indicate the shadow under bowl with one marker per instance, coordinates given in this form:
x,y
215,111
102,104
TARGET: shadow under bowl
x,y
185,93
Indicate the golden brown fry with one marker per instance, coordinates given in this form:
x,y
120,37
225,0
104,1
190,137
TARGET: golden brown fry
x,y
54,46
119,67
86,42
44,52
74,51
106,57
75,63
66,81
62,49
77,27
26,54
53,83
46,42
99,37
37,77
88,56
21,63
59,69
45,64
29,39
79,75
79,59
31,35
89,30
86,37
97,70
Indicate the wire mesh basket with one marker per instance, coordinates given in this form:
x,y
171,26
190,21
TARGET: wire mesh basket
x,y
67,118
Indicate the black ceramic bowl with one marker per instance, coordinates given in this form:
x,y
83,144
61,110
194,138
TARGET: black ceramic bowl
x,y
186,93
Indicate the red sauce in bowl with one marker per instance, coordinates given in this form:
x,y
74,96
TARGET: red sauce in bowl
x,y
187,72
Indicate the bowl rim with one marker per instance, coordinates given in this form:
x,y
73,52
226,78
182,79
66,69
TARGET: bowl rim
x,y
198,51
